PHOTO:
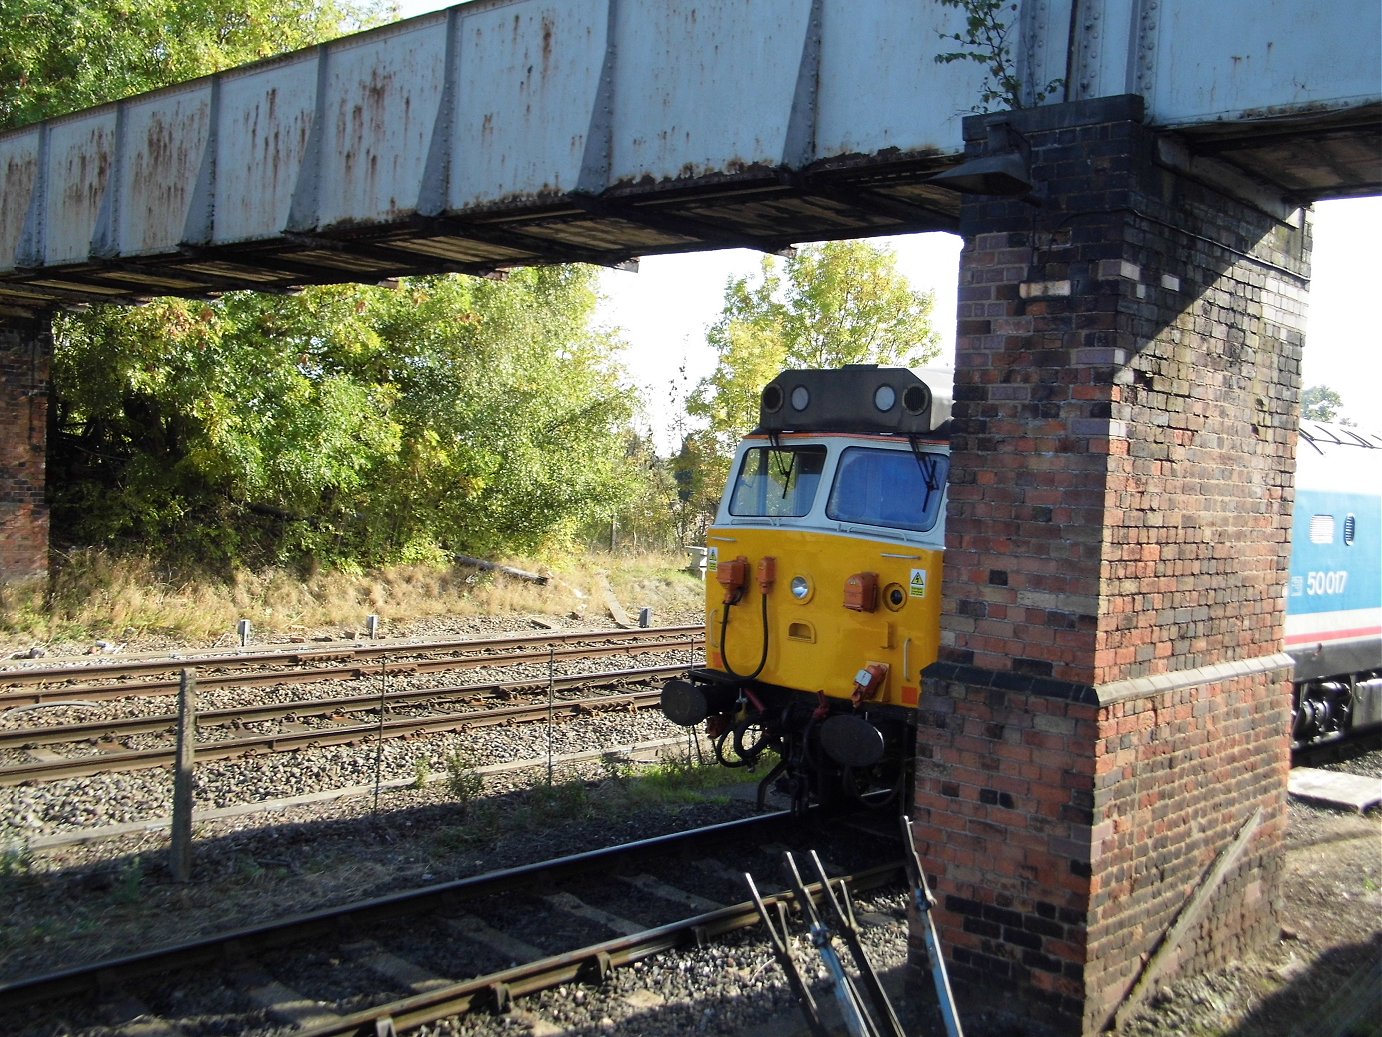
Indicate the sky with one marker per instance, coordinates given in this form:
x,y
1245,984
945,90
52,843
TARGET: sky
x,y
664,309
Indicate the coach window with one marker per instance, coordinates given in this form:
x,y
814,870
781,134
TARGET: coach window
x,y
777,482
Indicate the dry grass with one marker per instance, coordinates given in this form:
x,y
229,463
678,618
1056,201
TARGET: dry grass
x,y
93,596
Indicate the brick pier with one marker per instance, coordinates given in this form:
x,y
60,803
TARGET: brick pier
x,y
1109,709
25,351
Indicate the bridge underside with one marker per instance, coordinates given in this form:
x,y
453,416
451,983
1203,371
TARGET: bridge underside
x,y
1302,158
766,210
1281,165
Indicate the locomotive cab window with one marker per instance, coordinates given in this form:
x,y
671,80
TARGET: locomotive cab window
x,y
777,481
894,488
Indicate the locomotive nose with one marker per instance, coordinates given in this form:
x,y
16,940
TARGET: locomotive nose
x,y
684,703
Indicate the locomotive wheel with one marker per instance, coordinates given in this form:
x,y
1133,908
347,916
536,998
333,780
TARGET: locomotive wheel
x,y
859,782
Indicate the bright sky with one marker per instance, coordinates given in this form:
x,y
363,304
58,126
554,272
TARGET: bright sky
x,y
665,308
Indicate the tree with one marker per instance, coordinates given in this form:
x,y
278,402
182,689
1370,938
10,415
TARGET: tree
x,y
63,55
139,385
347,425
701,469
644,517
514,417
843,302
1321,403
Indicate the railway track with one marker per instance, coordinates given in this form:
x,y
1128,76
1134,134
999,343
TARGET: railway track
x,y
346,734
40,751
105,680
392,964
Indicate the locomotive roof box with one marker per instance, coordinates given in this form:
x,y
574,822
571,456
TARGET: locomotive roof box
x,y
855,398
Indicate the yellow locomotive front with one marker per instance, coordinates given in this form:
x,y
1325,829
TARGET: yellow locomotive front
x,y
823,584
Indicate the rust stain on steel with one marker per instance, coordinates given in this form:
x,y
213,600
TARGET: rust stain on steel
x,y
160,179
548,31
86,174
21,174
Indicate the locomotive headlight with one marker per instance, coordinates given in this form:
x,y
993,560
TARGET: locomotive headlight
x,y
801,588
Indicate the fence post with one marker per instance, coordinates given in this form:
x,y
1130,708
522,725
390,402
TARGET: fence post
x,y
181,863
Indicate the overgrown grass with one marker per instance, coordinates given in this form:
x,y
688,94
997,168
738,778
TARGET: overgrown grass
x,y
16,864
677,779
92,595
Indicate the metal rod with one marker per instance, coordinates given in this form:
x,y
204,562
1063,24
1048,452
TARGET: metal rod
x,y
180,863
379,746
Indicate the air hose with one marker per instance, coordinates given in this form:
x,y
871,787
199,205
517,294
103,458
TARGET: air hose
x,y
724,649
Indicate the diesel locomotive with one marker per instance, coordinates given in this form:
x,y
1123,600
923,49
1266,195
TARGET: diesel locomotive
x,y
824,572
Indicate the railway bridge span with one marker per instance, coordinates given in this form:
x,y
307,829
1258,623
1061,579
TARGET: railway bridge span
x,y
1104,724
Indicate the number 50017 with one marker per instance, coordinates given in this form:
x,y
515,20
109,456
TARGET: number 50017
x,y
1326,582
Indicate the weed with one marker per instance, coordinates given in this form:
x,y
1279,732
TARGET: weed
x,y
562,801
129,883
986,41
616,767
462,778
682,770
422,772
16,862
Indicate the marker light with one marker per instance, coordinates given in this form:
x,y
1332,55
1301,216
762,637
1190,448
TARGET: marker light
x,y
801,588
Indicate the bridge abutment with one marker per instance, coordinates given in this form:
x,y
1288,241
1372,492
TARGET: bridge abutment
x,y
1107,719
25,353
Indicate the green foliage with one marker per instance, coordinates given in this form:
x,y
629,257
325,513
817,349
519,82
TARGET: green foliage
x,y
64,55
422,772
16,863
985,42
680,775
464,781
346,425
641,516
558,803
616,767
842,302
701,469
128,890
1321,403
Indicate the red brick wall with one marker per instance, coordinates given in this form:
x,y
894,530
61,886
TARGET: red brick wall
x,y
25,349
1064,837
1109,705
1176,774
